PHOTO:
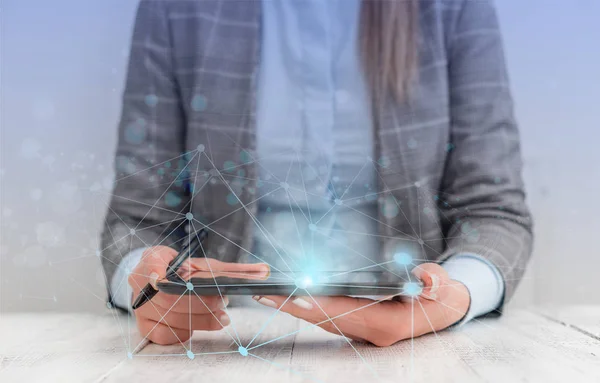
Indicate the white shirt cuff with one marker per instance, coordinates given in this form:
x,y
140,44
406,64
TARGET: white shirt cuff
x,y
120,290
482,279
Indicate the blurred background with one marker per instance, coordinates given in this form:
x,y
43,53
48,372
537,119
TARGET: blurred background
x,y
62,67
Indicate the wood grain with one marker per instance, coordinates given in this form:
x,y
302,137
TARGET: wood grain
x,y
524,346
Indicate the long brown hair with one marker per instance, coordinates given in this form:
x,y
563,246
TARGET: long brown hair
x,y
388,47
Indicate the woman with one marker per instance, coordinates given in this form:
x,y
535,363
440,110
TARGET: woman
x,y
333,135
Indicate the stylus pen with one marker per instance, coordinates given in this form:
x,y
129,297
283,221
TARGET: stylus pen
x,y
188,249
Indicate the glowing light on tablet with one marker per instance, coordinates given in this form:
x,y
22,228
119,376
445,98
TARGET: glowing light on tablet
x,y
304,282
412,289
243,351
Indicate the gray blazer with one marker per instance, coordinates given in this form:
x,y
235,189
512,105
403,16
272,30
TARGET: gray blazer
x,y
448,159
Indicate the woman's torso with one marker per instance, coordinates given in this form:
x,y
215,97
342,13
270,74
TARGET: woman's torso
x,y
217,60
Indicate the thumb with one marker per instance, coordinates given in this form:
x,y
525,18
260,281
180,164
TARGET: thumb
x,y
155,262
433,277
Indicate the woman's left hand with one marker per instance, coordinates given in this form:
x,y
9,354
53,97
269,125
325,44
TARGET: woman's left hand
x,y
442,303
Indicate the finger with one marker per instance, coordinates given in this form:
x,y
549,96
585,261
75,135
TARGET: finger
x,y
433,277
190,303
260,270
345,316
435,315
153,266
205,322
162,334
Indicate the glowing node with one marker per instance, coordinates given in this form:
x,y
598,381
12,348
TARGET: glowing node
x,y
132,231
285,185
412,289
403,259
200,148
109,305
130,355
189,286
98,253
189,216
304,282
420,242
243,351
338,201
151,100
190,354
312,226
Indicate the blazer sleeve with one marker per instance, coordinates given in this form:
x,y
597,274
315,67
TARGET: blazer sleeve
x,y
150,187
483,194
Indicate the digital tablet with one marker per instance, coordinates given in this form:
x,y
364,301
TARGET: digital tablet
x,y
292,283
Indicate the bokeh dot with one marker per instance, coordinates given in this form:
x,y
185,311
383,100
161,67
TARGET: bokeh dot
x,y
199,103
245,157
172,199
151,100
229,166
135,132
232,199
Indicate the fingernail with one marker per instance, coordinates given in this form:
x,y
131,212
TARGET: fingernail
x,y
267,272
153,278
267,302
302,304
435,283
224,319
223,303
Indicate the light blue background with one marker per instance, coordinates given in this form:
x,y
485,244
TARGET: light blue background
x,y
62,68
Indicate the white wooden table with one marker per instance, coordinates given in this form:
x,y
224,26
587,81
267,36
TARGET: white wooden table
x,y
542,345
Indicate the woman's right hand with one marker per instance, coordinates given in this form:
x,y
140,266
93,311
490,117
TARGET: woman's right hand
x,y
170,319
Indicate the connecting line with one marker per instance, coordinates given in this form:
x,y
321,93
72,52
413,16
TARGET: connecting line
x,y
214,316
271,318
412,339
296,225
165,192
158,322
207,227
325,321
287,368
218,289
361,255
359,269
343,336
153,166
252,217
